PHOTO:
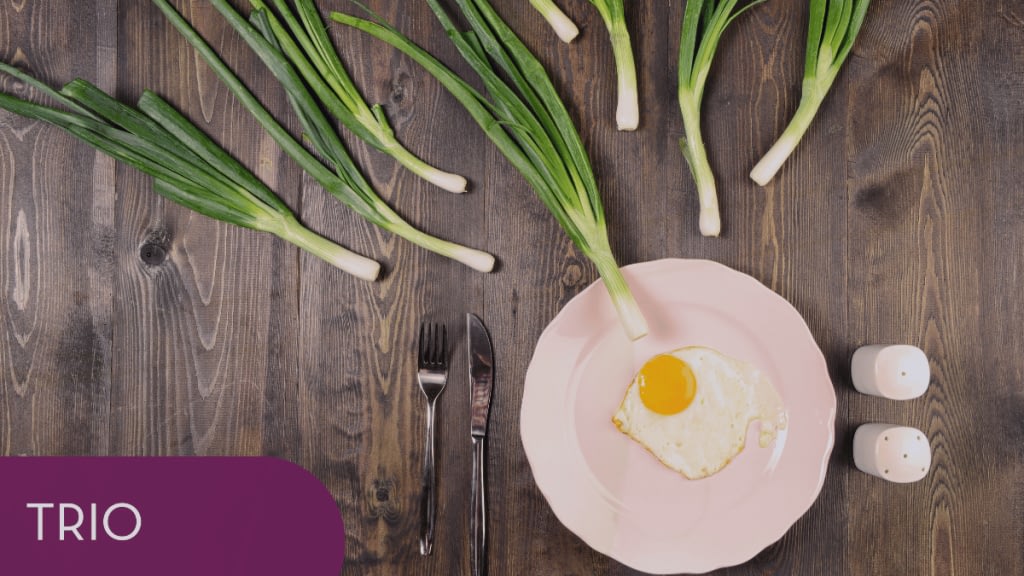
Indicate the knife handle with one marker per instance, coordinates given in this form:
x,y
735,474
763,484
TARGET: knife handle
x,y
478,521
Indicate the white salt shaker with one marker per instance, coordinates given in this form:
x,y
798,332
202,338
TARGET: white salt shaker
x,y
897,453
898,372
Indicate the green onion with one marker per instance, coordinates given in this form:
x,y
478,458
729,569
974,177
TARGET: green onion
x,y
563,26
704,21
187,166
345,182
309,48
834,25
529,123
627,115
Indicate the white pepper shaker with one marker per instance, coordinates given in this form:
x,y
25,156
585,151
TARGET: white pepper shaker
x,y
897,372
897,453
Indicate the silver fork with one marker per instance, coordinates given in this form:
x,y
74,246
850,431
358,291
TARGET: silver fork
x,y
432,376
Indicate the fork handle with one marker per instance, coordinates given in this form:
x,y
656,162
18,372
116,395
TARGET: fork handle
x,y
428,502
478,521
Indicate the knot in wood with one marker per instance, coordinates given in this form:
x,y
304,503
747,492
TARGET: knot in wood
x,y
398,88
382,503
152,254
572,276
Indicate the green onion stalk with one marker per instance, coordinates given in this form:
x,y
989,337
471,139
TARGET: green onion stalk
x,y
563,26
704,21
834,25
529,123
303,37
187,166
627,114
346,182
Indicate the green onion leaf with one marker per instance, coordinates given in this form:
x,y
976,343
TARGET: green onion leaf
x,y
704,21
627,114
187,166
303,38
528,122
346,182
834,25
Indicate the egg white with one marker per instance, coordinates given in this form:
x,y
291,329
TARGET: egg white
x,y
703,438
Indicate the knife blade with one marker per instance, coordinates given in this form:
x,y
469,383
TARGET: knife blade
x,y
481,375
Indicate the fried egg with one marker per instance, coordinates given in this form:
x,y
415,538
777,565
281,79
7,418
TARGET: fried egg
x,y
691,407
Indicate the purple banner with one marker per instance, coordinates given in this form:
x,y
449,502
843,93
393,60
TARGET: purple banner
x,y
166,516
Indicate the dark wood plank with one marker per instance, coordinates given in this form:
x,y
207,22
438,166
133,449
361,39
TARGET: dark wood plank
x,y
999,137
207,357
789,235
922,202
130,326
533,284
55,311
364,424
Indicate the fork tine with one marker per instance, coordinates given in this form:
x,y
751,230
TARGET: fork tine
x,y
431,328
433,343
440,345
442,360
424,342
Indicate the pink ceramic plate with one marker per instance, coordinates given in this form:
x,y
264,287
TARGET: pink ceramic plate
x,y
609,490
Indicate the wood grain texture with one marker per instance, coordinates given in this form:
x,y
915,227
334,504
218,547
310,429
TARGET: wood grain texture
x,y
129,325
55,333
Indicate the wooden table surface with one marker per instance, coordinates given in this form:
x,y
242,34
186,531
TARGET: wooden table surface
x,y
129,325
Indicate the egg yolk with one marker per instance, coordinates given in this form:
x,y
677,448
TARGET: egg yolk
x,y
667,384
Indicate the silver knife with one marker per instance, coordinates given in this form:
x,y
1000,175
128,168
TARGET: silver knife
x,y
481,376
